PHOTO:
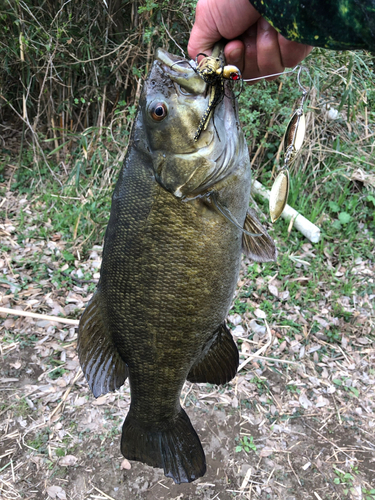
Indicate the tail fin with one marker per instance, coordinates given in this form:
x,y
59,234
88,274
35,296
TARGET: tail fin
x,y
176,449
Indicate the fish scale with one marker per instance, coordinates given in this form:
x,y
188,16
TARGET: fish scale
x,y
170,267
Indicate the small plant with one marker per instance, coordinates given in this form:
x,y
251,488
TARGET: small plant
x,y
368,494
262,384
344,479
245,444
293,389
350,389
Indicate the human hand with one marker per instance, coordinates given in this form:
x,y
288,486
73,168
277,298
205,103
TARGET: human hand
x,y
254,46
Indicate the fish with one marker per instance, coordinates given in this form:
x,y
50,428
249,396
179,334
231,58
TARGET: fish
x,y
170,266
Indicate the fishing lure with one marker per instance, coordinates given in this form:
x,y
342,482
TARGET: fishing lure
x,y
293,140
214,72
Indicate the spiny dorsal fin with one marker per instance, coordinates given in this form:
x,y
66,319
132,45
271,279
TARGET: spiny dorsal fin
x,y
261,248
101,364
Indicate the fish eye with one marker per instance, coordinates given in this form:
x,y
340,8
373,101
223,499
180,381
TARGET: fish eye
x,y
158,111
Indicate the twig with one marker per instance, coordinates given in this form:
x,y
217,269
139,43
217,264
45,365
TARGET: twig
x,y
84,61
35,137
262,349
259,351
290,463
246,479
16,312
266,358
333,444
67,392
102,493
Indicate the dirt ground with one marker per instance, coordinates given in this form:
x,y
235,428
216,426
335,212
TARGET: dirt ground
x,y
300,427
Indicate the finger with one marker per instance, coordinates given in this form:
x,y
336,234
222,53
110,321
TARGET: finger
x,y
216,19
251,69
292,53
234,54
268,50
205,33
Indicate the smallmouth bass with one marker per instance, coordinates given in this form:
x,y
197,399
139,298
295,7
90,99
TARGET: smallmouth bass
x,y
170,266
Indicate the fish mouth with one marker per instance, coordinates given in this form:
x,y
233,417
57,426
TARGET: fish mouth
x,y
188,82
220,144
182,72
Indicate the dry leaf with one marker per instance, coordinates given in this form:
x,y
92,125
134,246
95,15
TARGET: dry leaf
x,y
107,398
238,331
304,401
364,341
265,452
273,289
235,319
9,323
56,492
260,314
321,401
257,328
284,295
68,460
125,464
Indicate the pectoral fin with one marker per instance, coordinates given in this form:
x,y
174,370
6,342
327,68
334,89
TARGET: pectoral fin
x,y
101,364
219,360
261,248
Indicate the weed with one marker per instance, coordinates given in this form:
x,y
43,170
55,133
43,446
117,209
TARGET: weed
x,y
261,383
245,444
57,373
293,389
368,494
22,409
40,441
349,389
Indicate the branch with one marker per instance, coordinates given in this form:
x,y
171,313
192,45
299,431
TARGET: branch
x,y
16,312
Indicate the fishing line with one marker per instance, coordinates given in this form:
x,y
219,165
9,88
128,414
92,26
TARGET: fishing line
x,y
171,37
274,74
226,213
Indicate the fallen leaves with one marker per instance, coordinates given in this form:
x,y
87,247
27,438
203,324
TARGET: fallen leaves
x,y
68,461
56,492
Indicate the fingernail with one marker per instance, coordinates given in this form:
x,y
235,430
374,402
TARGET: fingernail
x,y
235,56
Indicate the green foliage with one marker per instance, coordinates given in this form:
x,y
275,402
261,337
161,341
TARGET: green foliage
x,y
245,444
368,494
40,441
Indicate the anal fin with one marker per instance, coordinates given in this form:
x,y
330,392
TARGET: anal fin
x,y
101,363
257,248
219,360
